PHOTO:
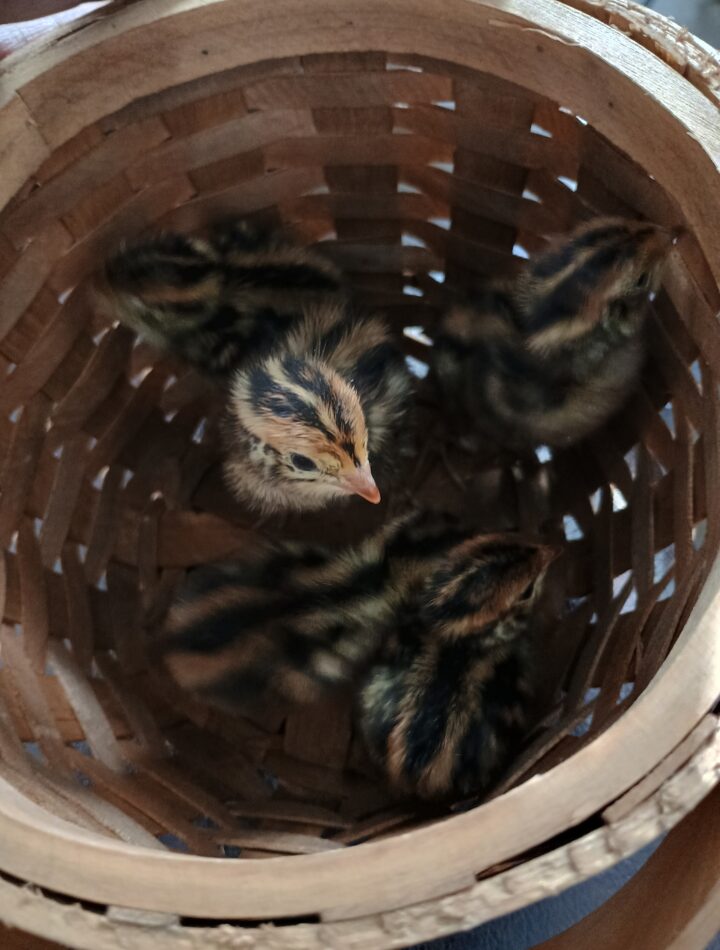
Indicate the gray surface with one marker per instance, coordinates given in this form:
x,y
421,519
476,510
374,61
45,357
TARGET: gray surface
x,y
526,928
702,17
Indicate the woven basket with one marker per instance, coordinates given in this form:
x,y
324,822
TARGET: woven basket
x,y
416,139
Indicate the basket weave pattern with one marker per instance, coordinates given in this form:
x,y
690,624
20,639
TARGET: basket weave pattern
x,y
420,176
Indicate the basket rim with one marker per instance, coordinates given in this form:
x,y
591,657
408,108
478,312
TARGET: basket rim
x,y
629,828
407,868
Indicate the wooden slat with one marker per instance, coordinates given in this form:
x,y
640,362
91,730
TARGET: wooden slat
x,y
400,165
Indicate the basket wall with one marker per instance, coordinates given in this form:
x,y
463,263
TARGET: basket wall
x,y
420,173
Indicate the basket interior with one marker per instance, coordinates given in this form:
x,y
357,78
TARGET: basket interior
x,y
419,177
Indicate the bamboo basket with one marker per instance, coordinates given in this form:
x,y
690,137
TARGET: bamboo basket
x,y
418,140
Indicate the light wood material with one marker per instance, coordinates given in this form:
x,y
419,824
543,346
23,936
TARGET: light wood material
x,y
670,903
411,138
501,893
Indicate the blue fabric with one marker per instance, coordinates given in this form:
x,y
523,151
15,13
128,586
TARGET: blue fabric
x,y
526,928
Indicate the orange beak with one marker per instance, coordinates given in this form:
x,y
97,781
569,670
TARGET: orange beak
x,y
360,482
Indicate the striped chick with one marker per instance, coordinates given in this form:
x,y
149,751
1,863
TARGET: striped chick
x,y
549,358
294,625
305,425
214,302
316,390
445,708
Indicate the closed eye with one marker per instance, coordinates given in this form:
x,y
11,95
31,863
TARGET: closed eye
x,y
302,462
642,281
527,593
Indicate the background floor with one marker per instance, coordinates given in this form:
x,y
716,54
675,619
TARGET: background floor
x,y
524,929
702,17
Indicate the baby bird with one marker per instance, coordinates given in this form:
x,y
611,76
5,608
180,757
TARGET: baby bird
x,y
294,625
548,359
218,302
446,707
304,422
315,389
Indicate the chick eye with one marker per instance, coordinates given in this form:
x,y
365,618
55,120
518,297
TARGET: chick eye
x,y
302,462
527,593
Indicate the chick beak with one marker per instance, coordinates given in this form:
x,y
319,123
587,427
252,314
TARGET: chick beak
x,y
360,482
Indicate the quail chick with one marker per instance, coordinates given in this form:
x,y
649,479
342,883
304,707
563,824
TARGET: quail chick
x,y
304,423
548,359
315,388
294,625
443,711
218,302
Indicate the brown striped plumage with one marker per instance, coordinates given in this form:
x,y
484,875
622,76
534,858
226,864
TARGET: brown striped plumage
x,y
445,708
215,302
435,624
294,624
297,619
316,389
547,359
304,424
